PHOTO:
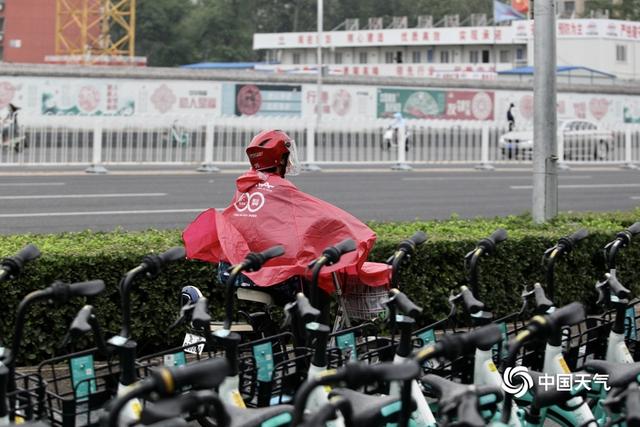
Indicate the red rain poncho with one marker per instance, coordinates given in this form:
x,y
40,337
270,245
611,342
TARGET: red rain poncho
x,y
268,210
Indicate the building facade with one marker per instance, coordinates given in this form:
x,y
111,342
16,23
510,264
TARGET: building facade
x,y
606,45
28,33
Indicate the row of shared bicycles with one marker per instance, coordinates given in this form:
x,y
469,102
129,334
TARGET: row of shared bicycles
x,y
364,358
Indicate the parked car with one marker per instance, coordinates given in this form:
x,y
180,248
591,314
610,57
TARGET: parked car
x,y
583,140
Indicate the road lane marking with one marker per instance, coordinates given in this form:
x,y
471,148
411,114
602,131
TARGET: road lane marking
x,y
82,196
89,213
30,184
481,177
576,186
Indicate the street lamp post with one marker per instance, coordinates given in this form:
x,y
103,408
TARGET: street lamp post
x,y
545,143
313,131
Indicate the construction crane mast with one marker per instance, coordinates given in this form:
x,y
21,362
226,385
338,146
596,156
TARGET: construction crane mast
x,y
95,28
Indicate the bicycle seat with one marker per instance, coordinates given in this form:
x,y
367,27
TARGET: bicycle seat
x,y
254,295
548,396
370,410
464,399
620,374
274,416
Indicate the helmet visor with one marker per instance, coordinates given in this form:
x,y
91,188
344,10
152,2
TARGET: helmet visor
x,y
293,164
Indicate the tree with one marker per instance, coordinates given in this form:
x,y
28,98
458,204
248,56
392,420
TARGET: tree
x,y
622,9
158,31
175,32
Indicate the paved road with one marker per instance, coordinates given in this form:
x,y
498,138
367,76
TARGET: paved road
x,y
57,201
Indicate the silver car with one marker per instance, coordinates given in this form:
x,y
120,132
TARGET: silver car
x,y
583,140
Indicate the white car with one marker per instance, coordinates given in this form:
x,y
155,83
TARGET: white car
x,y
583,140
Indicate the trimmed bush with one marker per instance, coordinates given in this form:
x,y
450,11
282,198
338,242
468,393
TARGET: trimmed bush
x,y
434,272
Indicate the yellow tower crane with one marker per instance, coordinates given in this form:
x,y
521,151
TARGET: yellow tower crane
x,y
95,28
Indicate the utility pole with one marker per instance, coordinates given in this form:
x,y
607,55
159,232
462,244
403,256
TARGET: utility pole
x,y
313,132
319,103
545,144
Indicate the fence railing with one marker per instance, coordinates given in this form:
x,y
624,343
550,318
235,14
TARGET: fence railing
x,y
211,142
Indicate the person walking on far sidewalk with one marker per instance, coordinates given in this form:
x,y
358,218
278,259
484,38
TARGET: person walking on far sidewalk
x,y
510,118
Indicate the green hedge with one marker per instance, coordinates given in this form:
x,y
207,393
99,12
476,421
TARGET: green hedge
x,y
434,272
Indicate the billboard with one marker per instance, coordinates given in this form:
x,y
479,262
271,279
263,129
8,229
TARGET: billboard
x,y
109,97
262,100
436,104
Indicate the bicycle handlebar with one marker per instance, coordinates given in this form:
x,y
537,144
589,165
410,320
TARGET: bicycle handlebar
x,y
354,375
567,243
252,262
306,312
200,317
153,264
400,301
86,289
544,326
611,285
406,248
489,244
11,267
471,304
486,246
255,260
409,245
334,253
330,255
634,229
453,345
80,324
206,374
632,405
29,253
543,304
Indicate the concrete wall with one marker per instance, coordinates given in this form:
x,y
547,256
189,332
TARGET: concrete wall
x,y
48,90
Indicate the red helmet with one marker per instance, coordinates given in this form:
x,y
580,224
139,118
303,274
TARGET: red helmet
x,y
269,148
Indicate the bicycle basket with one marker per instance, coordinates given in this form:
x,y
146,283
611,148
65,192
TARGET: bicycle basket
x,y
26,402
77,387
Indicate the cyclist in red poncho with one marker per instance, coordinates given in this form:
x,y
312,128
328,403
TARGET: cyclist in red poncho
x,y
268,210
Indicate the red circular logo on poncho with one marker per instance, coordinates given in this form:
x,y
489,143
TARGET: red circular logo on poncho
x,y
249,100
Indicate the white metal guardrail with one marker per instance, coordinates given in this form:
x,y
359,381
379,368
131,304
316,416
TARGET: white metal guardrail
x,y
220,141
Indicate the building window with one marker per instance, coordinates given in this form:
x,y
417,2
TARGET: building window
x,y
399,57
519,54
430,55
621,53
569,7
505,56
296,58
363,57
444,56
416,57
486,57
474,57
337,58
388,57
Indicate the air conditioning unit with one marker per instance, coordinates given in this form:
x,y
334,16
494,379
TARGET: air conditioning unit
x,y
375,24
452,20
352,24
425,21
478,19
399,22
1,37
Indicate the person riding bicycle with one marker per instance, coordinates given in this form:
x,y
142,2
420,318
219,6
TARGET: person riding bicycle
x,y
267,209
